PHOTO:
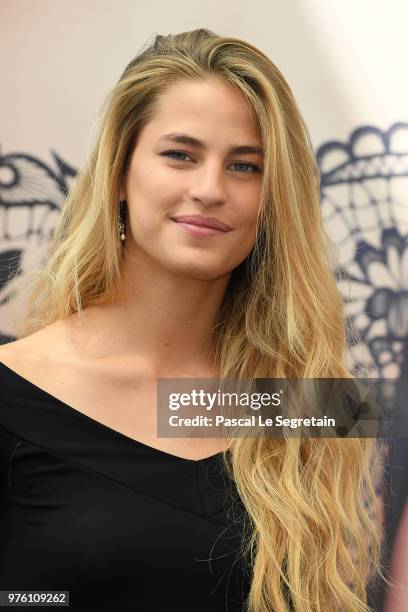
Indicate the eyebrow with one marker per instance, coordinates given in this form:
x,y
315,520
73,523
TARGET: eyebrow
x,y
194,142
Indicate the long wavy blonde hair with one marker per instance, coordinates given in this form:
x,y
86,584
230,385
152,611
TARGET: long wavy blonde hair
x,y
314,542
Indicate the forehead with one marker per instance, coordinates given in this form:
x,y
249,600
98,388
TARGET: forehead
x,y
204,105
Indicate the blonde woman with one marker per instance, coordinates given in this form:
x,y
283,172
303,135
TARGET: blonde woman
x,y
191,245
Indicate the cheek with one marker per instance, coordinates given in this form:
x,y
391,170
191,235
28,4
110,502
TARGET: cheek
x,y
149,204
142,180
248,241
145,220
248,217
247,234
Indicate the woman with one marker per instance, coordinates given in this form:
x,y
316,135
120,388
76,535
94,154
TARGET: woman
x,y
191,245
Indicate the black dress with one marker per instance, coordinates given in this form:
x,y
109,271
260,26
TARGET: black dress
x,y
117,523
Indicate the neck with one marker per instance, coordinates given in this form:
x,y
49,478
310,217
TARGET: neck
x,y
161,319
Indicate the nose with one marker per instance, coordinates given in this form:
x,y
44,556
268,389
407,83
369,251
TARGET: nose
x,y
208,184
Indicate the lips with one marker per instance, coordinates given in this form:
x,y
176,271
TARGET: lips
x,y
198,220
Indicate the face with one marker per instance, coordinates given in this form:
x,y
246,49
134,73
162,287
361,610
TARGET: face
x,y
196,164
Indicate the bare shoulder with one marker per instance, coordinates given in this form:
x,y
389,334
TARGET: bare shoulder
x,y
35,349
62,349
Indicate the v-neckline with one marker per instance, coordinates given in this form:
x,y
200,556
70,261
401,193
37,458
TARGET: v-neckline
x,y
98,424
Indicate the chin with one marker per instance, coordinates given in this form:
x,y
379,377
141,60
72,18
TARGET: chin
x,y
197,272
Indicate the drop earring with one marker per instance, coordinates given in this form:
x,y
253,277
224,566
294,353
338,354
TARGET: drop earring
x,y
122,218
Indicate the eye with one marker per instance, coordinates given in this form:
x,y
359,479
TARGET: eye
x,y
171,153
250,168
